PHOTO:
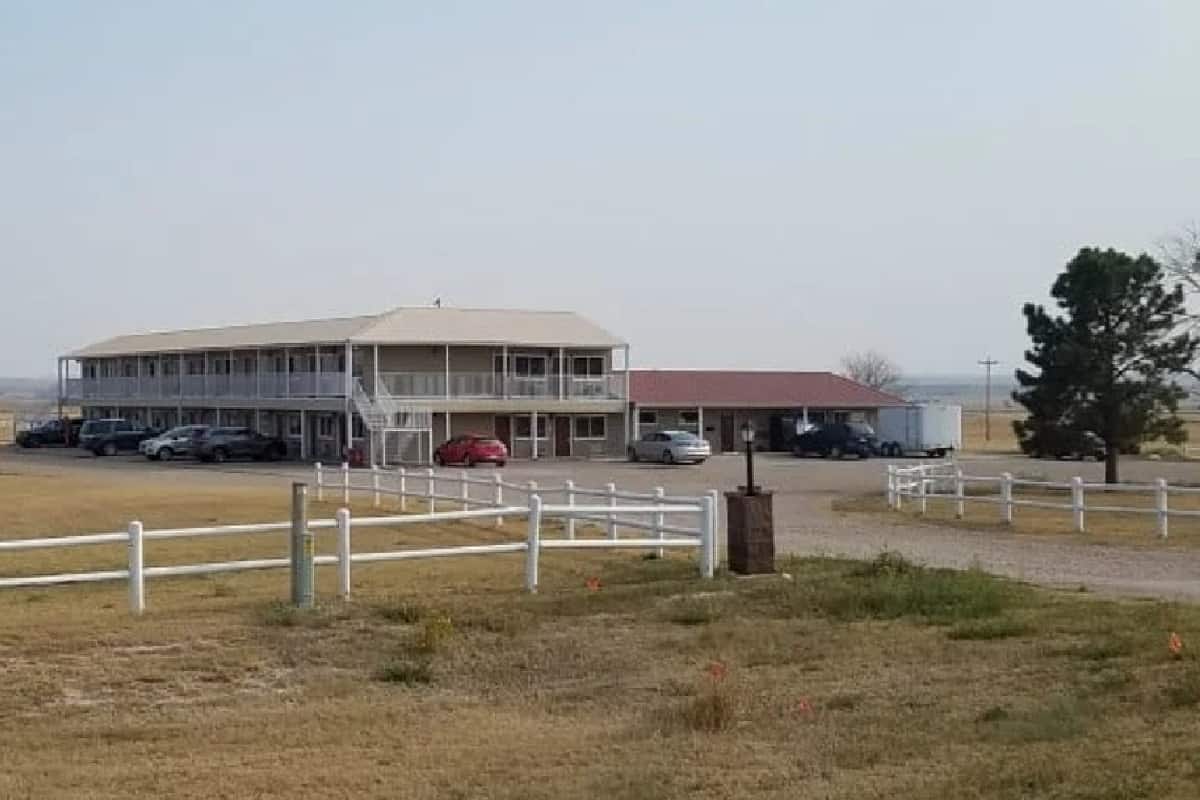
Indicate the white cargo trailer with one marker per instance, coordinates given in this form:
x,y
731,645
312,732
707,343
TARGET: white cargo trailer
x,y
932,429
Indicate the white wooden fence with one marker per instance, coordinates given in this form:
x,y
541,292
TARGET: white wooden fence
x,y
946,482
620,511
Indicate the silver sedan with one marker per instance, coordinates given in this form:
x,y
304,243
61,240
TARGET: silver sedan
x,y
670,447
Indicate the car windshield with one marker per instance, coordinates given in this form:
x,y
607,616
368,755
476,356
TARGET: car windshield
x,y
487,442
178,432
94,427
861,429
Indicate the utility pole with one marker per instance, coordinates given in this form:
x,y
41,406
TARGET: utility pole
x,y
988,363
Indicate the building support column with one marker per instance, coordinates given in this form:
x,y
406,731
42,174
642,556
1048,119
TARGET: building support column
x,y
179,393
375,370
533,437
61,389
630,408
348,391
562,368
448,434
303,435
287,373
258,373
804,415
447,392
317,371
700,422
206,375
504,371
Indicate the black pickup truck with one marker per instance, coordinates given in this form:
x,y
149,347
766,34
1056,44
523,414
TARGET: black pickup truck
x,y
55,431
107,437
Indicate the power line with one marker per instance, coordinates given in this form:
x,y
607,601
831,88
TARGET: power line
x,y
988,363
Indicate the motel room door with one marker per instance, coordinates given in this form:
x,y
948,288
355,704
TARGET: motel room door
x,y
562,436
503,428
727,443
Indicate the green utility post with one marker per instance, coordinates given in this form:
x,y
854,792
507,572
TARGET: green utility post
x,y
302,549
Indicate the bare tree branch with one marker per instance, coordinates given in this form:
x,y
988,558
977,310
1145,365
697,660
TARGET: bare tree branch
x,y
872,368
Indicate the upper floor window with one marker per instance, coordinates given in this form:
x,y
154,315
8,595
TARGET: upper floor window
x,y
587,366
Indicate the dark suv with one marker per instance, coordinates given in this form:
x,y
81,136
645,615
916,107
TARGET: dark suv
x,y
55,431
107,437
837,439
222,444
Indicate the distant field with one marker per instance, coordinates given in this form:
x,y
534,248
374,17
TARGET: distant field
x,y
7,427
1003,440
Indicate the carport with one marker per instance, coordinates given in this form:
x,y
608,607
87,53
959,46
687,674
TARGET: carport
x,y
715,404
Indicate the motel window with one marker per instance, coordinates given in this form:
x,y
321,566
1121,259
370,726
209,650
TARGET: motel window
x,y
523,427
587,366
841,416
151,367
325,426
690,421
131,370
293,424
647,417
592,427
359,429
529,366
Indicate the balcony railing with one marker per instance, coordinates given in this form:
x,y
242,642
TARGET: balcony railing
x,y
488,385
409,385
236,385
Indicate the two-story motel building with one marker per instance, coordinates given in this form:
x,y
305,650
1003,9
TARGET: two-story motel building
x,y
390,384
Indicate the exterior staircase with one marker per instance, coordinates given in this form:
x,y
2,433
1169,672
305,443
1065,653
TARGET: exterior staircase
x,y
385,412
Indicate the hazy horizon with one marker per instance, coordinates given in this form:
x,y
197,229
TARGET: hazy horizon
x,y
723,185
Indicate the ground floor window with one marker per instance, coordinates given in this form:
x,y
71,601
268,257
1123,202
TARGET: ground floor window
x,y
524,425
689,421
293,425
359,429
647,418
591,427
326,426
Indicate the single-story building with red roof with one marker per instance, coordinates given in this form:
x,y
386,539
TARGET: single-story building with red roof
x,y
716,403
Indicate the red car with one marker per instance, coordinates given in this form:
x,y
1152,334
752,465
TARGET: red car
x,y
471,450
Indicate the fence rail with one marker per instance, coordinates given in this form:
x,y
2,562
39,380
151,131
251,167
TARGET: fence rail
x,y
702,536
946,482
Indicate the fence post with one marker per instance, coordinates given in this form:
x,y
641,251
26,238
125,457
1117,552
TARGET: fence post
x,y
346,483
375,484
464,490
137,584
1006,495
891,486
1077,502
714,540
960,510
533,543
660,519
302,549
343,548
403,487
612,517
921,490
429,490
498,497
707,533
900,489
569,491
320,481
1160,489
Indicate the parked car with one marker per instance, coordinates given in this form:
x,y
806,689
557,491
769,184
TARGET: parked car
x,y
834,440
1067,443
107,437
471,450
670,447
55,431
176,442
222,444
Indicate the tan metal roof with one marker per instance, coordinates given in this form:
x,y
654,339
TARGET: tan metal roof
x,y
398,326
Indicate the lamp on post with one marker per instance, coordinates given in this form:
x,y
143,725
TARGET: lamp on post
x,y
750,520
748,440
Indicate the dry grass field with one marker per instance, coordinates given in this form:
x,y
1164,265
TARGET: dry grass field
x,y
1003,439
1102,527
8,423
441,679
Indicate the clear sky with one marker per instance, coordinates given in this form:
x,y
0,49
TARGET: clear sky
x,y
737,184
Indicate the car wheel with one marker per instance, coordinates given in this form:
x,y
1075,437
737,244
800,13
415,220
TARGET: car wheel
x,y
633,454
152,456
500,464
166,454
437,459
864,454
219,455
835,452
668,457
470,462
109,449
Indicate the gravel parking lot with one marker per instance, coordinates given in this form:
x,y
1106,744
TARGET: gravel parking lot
x,y
805,522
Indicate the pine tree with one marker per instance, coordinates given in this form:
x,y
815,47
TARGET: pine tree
x,y
1107,362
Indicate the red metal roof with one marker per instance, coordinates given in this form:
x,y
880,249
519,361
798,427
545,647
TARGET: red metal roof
x,y
752,389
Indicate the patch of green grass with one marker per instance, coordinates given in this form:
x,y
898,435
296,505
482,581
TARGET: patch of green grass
x,y
1062,718
694,610
435,632
404,611
983,630
408,673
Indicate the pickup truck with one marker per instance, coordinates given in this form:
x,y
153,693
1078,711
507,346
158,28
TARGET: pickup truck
x,y
55,431
107,437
